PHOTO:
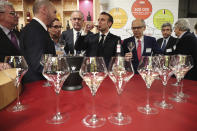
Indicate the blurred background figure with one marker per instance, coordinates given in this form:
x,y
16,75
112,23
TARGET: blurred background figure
x,y
195,29
35,39
186,45
70,36
55,32
144,45
9,37
167,42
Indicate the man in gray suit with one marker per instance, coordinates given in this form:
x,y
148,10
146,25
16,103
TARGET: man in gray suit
x,y
70,36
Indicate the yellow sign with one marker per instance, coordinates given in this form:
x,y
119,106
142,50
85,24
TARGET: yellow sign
x,y
162,16
119,16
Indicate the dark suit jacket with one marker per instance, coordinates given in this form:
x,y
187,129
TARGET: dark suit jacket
x,y
35,41
187,45
149,43
169,46
6,46
68,38
90,43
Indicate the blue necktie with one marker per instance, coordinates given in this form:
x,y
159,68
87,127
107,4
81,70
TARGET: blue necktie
x,y
163,46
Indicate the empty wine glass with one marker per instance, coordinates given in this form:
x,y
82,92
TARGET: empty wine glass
x,y
120,71
165,72
19,65
43,60
56,70
131,46
181,64
93,71
147,70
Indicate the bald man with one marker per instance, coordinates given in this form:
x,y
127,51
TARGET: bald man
x,y
144,45
35,39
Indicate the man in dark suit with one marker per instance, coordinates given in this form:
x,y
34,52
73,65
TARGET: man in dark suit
x,y
35,39
144,45
186,45
167,42
9,37
70,36
102,44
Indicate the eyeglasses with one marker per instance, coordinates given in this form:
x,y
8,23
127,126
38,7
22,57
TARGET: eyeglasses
x,y
74,19
137,27
13,13
56,26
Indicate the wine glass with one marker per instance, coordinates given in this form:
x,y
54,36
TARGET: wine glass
x,y
147,70
93,71
165,72
43,60
181,64
19,65
56,71
120,71
131,46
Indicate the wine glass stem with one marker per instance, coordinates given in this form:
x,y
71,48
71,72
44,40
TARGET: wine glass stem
x,y
119,103
147,100
57,103
164,93
17,91
93,105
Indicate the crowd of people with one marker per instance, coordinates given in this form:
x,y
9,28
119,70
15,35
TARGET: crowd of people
x,y
43,36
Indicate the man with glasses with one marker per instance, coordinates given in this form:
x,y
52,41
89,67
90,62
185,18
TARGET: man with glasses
x,y
55,32
144,45
9,38
167,42
35,39
70,36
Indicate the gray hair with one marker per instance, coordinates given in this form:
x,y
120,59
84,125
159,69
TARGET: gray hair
x,y
166,24
3,4
77,11
39,3
183,25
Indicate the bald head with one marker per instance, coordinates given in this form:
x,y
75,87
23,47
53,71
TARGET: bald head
x,y
39,4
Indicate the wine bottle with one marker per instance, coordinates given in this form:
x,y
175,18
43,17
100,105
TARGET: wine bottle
x,y
88,17
67,25
118,49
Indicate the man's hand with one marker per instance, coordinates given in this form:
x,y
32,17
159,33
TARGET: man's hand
x,y
88,26
4,66
128,56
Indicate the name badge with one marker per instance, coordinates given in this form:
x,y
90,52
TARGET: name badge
x,y
148,50
174,47
168,50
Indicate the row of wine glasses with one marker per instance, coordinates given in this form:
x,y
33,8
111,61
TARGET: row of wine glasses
x,y
93,71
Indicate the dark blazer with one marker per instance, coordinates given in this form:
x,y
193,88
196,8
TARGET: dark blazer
x,y
35,41
149,43
187,45
6,46
90,43
68,38
169,46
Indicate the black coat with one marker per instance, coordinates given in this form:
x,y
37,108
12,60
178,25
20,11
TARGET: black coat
x,y
68,38
35,41
90,44
169,46
6,46
187,45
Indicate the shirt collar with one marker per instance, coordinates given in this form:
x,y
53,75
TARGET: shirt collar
x,y
75,32
6,30
39,21
182,35
104,34
166,38
141,39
